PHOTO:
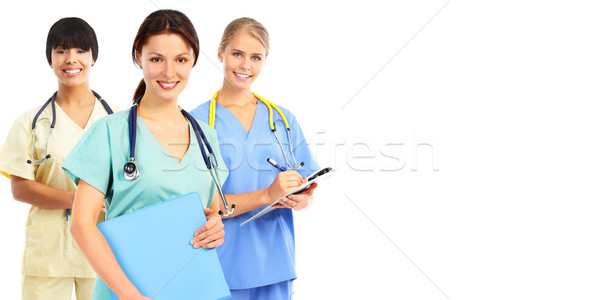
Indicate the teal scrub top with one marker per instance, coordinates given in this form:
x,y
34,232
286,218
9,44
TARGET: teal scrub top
x,y
99,157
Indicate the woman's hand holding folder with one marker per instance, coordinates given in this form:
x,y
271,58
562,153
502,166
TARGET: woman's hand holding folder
x,y
211,234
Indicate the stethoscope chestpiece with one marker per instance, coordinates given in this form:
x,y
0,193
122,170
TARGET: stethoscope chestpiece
x,y
229,212
38,162
131,171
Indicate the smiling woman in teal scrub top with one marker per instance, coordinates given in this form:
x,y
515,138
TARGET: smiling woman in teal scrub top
x,y
258,259
166,48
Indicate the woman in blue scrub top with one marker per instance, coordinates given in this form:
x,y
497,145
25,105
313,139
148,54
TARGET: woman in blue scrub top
x,y
165,48
258,259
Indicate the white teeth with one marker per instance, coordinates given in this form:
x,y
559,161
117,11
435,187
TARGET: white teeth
x,y
241,75
167,84
72,71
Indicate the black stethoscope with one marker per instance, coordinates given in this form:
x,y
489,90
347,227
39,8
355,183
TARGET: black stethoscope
x,y
52,100
132,172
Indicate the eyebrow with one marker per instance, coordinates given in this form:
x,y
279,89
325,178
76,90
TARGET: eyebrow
x,y
238,50
180,54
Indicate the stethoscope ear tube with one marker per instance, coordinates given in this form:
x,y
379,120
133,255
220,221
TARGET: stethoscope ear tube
x,y
210,161
132,172
37,115
130,169
212,115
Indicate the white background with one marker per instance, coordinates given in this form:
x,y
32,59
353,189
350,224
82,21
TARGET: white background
x,y
504,207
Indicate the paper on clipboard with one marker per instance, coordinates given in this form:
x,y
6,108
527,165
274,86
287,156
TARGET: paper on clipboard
x,y
319,175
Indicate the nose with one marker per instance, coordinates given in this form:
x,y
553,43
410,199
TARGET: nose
x,y
71,56
245,63
169,70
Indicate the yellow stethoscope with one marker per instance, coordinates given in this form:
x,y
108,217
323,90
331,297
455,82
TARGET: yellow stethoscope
x,y
212,115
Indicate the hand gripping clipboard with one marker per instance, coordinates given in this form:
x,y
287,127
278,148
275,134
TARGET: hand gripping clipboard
x,y
152,246
319,175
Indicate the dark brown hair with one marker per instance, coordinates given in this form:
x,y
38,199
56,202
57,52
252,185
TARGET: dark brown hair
x,y
160,22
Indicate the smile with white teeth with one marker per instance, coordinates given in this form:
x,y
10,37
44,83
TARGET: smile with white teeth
x,y
167,84
241,75
73,71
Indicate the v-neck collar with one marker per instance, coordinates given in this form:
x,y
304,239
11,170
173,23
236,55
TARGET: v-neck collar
x,y
89,121
259,116
192,140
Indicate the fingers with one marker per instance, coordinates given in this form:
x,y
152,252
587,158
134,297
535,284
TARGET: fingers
x,y
284,183
212,224
212,241
210,235
311,189
288,202
291,179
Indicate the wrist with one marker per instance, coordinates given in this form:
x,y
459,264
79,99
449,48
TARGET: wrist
x,y
70,196
131,295
129,292
266,197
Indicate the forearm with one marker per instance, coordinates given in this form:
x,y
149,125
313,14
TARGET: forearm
x,y
39,194
284,183
86,208
247,201
101,258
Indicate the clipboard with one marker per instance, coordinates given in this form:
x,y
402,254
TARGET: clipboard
x,y
152,246
319,175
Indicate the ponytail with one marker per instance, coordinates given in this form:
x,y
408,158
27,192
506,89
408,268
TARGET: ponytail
x,y
141,89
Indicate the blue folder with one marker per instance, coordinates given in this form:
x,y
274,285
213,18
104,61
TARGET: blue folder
x,y
152,246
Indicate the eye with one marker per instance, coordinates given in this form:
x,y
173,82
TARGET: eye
x,y
181,60
60,51
256,58
81,51
156,59
237,54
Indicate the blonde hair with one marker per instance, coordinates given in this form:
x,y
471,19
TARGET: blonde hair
x,y
249,25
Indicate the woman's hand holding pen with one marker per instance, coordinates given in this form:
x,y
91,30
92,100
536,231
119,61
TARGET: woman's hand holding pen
x,y
300,201
284,183
211,234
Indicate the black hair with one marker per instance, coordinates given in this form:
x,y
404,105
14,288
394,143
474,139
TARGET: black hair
x,y
71,33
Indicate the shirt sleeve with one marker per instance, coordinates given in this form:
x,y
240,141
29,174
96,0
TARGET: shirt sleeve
x,y
17,150
90,160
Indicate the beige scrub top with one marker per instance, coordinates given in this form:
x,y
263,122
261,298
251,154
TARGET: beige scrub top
x,y
50,250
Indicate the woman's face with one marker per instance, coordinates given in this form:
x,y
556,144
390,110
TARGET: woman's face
x,y
71,66
243,59
166,60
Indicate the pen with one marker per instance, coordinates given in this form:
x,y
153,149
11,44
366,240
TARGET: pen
x,y
276,165
68,215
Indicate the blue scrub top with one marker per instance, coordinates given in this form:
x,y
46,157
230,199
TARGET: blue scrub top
x,y
100,155
262,252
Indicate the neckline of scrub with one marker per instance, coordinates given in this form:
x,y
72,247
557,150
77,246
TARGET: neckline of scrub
x,y
87,123
259,116
192,141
